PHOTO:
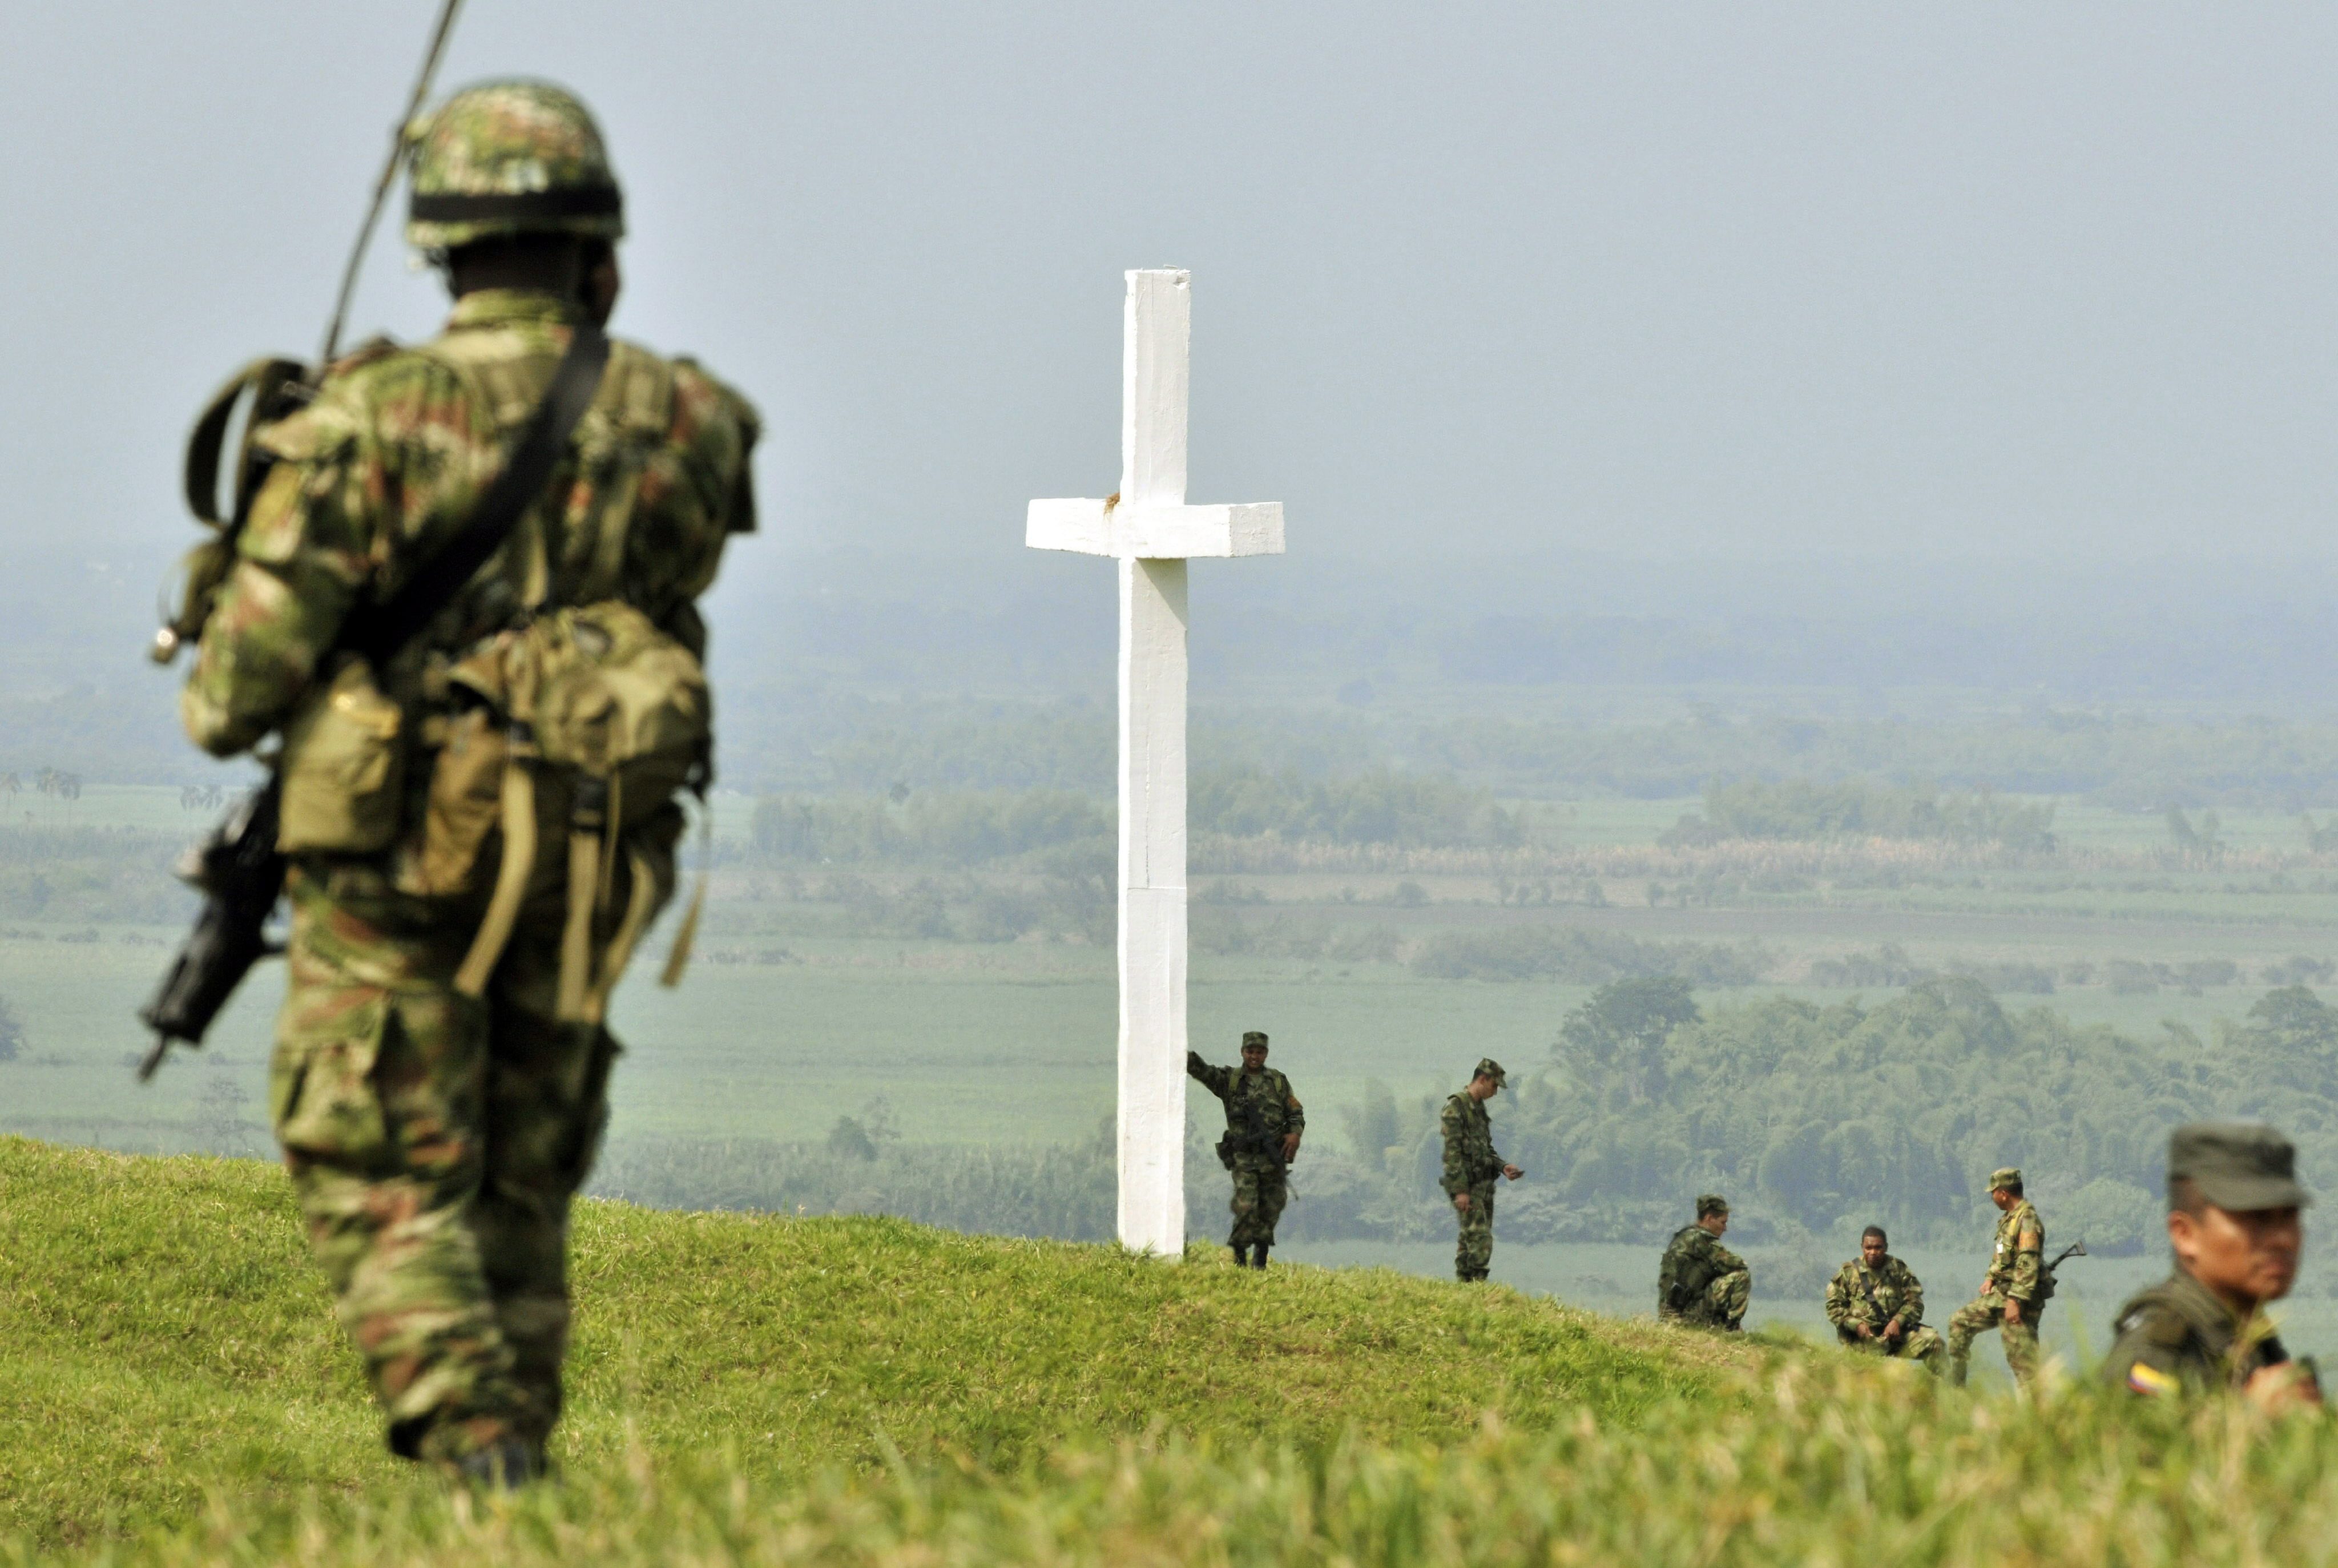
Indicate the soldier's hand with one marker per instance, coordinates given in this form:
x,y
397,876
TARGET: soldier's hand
x,y
1892,1330
1193,1064
1289,1147
1864,1331
1513,1172
2273,1387
2012,1311
1461,1201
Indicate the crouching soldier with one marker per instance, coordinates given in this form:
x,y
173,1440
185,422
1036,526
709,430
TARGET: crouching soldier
x,y
2233,1202
1700,1282
1264,1122
2013,1291
1876,1304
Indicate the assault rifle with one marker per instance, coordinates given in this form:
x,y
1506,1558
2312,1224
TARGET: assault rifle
x,y
1254,1138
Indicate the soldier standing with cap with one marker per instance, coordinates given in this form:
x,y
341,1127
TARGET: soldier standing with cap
x,y
2012,1292
1700,1282
1470,1166
2232,1223
1264,1124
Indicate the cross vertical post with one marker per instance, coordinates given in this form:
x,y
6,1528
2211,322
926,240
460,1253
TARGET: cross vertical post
x,y
1151,531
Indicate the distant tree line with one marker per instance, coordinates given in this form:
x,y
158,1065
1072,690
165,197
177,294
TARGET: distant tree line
x,y
960,827
843,743
1804,809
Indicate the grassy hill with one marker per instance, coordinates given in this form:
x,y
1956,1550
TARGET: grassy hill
x,y
753,1389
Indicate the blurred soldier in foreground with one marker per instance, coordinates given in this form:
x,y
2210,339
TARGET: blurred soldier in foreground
x,y
1470,1166
440,1078
2013,1292
1700,1282
2232,1203
1876,1304
1264,1124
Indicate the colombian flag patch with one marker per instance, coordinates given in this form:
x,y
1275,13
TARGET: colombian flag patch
x,y
2146,1380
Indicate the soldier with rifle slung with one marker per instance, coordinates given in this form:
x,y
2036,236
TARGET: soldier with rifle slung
x,y
2014,1289
1264,1122
460,592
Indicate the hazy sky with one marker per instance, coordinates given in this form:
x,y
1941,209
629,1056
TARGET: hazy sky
x,y
1662,280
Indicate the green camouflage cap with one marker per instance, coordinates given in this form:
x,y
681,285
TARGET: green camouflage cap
x,y
510,158
1711,1203
1253,1037
1489,1068
2240,1166
2004,1176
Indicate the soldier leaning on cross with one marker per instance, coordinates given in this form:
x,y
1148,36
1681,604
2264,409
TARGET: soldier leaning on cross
x,y
2013,1291
1471,1166
2232,1225
1264,1122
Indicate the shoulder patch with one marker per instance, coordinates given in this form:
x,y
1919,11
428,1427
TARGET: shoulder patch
x,y
2151,1380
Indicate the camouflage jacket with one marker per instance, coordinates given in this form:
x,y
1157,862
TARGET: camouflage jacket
x,y
2017,1263
2179,1339
1266,1091
1858,1293
1695,1260
1470,1160
387,464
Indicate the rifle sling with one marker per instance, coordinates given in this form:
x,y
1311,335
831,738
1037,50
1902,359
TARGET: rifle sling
x,y
379,632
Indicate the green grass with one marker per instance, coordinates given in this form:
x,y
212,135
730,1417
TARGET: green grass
x,y
869,1392
168,1341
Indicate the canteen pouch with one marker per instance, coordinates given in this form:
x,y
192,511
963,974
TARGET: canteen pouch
x,y
464,808
343,767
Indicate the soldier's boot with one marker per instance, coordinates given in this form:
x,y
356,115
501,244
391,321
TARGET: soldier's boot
x,y
1259,1256
1242,1253
506,1465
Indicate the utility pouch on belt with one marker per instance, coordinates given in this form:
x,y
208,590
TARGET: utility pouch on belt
x,y
343,767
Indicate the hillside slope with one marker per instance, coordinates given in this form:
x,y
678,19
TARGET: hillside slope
x,y
765,1390
166,1335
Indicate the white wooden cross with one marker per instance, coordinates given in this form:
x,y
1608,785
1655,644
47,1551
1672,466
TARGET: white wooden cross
x,y
1152,531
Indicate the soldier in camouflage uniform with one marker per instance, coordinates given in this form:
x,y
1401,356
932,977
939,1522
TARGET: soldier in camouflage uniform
x,y
1700,1282
1876,1304
435,1138
2233,1224
1470,1166
2012,1292
1264,1122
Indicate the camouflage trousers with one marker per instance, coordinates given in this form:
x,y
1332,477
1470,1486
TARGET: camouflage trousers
x,y
1262,1187
1720,1304
1921,1344
1473,1250
1983,1313
434,1141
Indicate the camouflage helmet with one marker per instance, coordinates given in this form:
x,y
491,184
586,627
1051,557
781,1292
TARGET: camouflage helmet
x,y
509,158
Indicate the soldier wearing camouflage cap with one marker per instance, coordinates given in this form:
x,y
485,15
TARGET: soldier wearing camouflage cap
x,y
1700,1282
1264,1122
2013,1291
2234,1228
1471,1167
437,1122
